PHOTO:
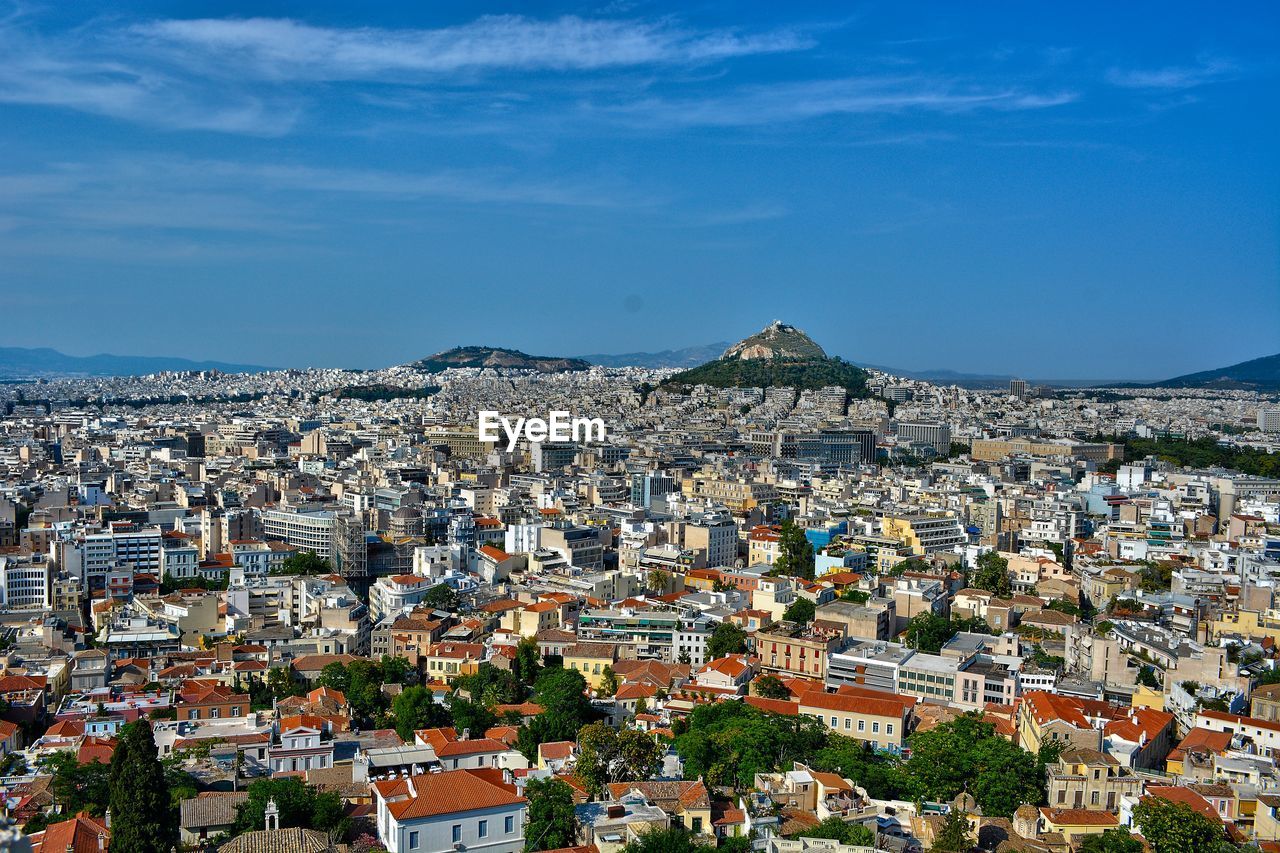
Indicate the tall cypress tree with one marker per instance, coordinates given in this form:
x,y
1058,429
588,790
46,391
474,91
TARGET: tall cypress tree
x,y
142,817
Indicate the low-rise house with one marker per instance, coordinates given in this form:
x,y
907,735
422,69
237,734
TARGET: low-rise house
x,y
209,815
299,744
455,810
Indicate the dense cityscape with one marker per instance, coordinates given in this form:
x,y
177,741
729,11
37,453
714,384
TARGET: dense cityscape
x,y
315,610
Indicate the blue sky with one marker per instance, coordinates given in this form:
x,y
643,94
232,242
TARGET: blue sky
x,y
1079,191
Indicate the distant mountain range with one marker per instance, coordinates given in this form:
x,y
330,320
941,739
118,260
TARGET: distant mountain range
x,y
497,357
685,357
23,363
1257,374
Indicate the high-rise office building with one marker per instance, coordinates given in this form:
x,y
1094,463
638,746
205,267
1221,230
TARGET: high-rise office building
x,y
1018,388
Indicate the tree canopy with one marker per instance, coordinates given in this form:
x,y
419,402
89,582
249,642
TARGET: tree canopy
x,y
143,817
726,639
795,552
607,755
992,574
729,742
1177,828
801,610
966,754
299,805
551,822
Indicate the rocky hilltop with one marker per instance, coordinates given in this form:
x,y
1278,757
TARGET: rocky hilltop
x,y
777,340
779,356
498,358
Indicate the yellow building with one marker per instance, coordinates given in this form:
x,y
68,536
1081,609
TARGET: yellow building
x,y
1248,623
591,659
1075,823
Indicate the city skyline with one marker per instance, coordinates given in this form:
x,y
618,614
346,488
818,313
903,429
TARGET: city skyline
x,y
987,191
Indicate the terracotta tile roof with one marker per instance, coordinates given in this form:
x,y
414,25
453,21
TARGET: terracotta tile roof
x,y
96,749
889,706
292,840
774,706
1186,796
315,663
446,793
1079,817
212,808
80,835
557,750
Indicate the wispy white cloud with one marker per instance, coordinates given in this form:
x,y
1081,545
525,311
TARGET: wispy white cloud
x,y
1208,70
279,48
789,102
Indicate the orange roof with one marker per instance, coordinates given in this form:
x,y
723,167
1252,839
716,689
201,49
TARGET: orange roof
x,y
890,706
96,749
1143,722
1079,817
79,835
494,553
446,793
1186,796
774,706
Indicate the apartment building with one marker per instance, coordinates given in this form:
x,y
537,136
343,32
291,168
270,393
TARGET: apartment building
x,y
792,650
305,530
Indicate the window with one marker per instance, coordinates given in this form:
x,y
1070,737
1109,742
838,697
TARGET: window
x,y
484,829
697,824
457,833
862,725
413,839
875,728
509,825
848,722
888,728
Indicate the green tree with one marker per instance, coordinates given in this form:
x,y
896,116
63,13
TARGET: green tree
x,y
883,777
489,685
770,686
992,574
551,823
966,754
304,563
795,552
837,829
142,815
607,755
1177,828
728,743
927,632
672,840
954,837
1110,841
281,684
398,670
528,662
472,716
335,677
298,804
801,610
416,708
608,681
726,639
441,597
562,694
78,787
